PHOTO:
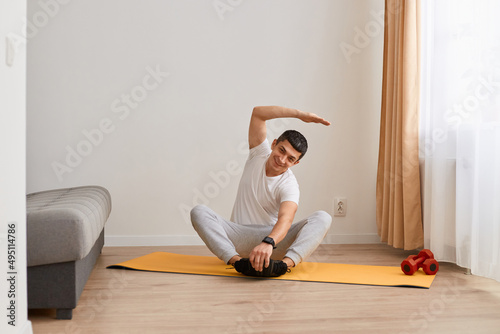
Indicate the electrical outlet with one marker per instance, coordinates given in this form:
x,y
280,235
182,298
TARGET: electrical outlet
x,y
340,207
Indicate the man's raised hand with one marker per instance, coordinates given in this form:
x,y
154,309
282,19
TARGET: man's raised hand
x,y
309,117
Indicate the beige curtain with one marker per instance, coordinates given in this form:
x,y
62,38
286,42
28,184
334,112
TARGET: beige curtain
x,y
399,211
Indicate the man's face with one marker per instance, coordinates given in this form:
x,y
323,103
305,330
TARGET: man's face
x,y
283,156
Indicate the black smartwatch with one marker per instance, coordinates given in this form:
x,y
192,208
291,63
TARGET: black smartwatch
x,y
269,240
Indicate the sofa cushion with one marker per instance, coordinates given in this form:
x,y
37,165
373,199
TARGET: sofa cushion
x,y
63,224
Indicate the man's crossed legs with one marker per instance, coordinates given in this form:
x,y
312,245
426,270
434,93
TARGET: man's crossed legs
x,y
230,241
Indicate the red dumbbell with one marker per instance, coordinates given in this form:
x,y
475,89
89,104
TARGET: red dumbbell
x,y
424,259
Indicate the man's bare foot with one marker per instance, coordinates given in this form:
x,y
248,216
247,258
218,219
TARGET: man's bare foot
x,y
234,259
289,262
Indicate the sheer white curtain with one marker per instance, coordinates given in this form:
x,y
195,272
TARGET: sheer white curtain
x,y
460,132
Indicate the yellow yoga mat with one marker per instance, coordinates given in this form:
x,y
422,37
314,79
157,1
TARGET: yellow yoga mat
x,y
306,271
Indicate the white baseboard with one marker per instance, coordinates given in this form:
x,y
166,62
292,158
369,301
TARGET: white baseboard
x,y
194,240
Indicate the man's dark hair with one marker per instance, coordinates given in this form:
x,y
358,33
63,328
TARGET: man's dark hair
x,y
296,139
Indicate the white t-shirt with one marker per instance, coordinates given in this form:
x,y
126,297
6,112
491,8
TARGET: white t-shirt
x,y
259,196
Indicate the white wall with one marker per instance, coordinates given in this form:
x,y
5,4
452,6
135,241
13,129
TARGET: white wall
x,y
162,141
13,297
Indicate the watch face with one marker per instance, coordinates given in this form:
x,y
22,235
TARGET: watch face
x,y
269,240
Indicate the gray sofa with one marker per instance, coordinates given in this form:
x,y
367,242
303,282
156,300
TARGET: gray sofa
x,y
65,235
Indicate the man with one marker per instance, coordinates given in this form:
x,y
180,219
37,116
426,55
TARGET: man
x,y
260,239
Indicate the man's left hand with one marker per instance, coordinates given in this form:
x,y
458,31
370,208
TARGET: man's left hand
x,y
260,255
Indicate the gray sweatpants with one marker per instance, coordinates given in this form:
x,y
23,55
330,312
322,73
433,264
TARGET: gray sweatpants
x,y
226,239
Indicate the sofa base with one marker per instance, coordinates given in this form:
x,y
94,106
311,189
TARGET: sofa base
x,y
59,285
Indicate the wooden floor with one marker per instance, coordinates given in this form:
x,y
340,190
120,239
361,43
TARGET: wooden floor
x,y
126,301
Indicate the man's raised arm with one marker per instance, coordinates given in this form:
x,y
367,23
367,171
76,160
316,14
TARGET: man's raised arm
x,y
257,132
